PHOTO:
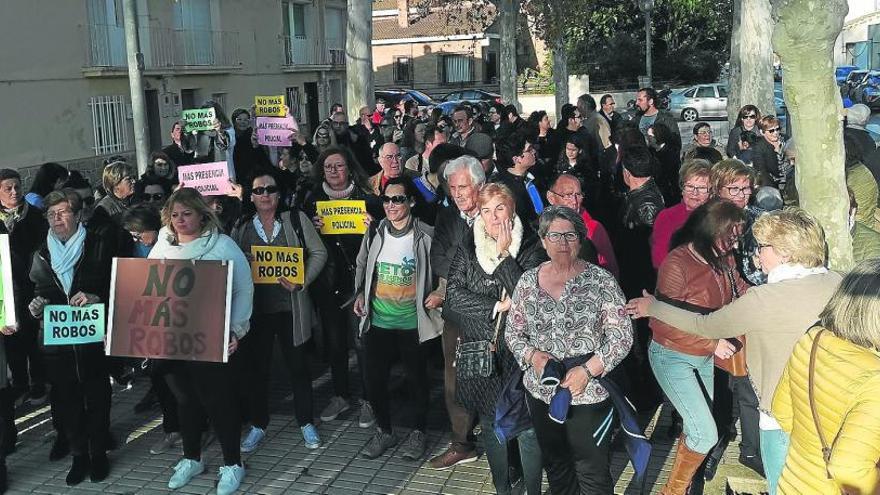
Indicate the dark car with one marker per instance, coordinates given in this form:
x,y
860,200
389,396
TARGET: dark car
x,y
393,97
472,96
869,91
853,79
841,71
857,94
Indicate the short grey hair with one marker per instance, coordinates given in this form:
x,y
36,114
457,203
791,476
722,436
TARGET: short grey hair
x,y
562,213
469,163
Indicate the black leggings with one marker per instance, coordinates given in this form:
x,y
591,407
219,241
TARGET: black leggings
x,y
83,412
203,390
383,346
256,365
340,331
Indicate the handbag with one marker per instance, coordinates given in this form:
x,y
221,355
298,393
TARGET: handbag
x,y
476,359
734,365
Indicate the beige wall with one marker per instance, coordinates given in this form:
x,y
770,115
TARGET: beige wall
x,y
44,91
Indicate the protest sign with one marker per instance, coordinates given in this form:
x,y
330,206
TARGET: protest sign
x,y
271,263
209,179
7,300
342,217
198,119
170,309
269,106
275,131
69,325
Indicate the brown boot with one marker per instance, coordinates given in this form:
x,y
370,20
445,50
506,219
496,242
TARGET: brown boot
x,y
686,464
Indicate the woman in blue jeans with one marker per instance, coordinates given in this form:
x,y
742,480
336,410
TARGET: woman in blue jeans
x,y
487,267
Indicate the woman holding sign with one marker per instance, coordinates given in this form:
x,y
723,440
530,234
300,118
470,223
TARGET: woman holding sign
x,y
72,268
192,232
282,308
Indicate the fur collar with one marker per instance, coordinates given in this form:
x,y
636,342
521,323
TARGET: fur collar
x,y
487,253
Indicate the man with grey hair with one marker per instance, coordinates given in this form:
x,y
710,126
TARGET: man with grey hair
x,y
464,176
389,160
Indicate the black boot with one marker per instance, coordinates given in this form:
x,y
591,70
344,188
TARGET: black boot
x,y
100,467
78,470
60,448
714,457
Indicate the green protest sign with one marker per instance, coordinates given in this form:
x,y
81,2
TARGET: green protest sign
x,y
198,119
70,325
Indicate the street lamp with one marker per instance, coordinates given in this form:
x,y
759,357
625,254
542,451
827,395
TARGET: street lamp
x,y
646,6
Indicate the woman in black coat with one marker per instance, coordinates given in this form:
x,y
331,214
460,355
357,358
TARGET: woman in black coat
x,y
483,274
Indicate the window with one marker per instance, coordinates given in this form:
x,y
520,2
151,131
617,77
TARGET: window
x,y
294,16
106,34
490,72
220,99
706,92
722,92
690,93
403,69
293,102
457,69
109,124
193,41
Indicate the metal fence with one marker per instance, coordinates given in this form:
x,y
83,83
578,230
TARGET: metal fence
x,y
299,50
164,47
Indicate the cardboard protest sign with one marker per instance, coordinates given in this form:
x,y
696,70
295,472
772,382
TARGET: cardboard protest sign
x,y
271,263
68,325
198,119
209,179
269,106
342,217
274,131
7,300
170,309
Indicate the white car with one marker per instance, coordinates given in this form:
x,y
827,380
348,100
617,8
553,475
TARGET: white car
x,y
700,101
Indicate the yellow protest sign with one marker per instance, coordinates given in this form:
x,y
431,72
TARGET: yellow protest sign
x,y
269,106
271,263
342,217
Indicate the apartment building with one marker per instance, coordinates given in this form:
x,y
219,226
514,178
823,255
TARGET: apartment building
x,y
65,91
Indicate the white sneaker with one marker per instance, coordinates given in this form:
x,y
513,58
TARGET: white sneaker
x,y
337,406
253,439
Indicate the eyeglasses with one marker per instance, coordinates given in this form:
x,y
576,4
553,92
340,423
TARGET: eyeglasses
x,y
260,191
704,133
738,191
59,214
154,196
750,116
574,196
397,200
762,246
557,237
392,157
334,167
698,190
772,131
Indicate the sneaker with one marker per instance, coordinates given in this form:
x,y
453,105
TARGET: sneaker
x,y
230,479
366,418
413,447
253,439
452,457
378,444
311,437
184,472
168,442
337,406
37,395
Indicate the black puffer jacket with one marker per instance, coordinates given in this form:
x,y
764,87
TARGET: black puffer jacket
x,y
471,294
92,276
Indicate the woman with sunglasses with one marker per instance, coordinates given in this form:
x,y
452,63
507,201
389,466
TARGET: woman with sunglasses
x,y
282,311
392,283
746,121
768,156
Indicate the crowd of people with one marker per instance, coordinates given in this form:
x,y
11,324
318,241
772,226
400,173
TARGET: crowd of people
x,y
522,252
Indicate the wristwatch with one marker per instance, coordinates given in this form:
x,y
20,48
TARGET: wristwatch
x,y
589,373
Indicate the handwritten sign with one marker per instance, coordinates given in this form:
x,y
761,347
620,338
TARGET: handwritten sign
x,y
209,179
71,325
269,106
198,119
170,309
275,131
342,217
7,300
271,263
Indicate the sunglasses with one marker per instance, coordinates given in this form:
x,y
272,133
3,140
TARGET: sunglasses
x,y
772,131
259,191
750,116
154,197
397,200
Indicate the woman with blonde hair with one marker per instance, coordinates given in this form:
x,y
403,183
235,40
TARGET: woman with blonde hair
x,y
192,231
831,389
772,316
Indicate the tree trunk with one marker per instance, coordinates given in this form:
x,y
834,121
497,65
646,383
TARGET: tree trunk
x,y
804,39
508,10
560,73
751,58
359,56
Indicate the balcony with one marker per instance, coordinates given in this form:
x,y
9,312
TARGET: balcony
x,y
165,50
303,53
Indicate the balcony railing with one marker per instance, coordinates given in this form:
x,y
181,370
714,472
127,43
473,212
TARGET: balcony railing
x,y
304,51
164,47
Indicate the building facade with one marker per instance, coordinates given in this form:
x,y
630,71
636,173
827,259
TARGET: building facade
x,y
65,89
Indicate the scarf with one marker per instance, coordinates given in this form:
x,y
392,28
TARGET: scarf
x,y
258,226
787,271
11,216
487,251
65,255
345,193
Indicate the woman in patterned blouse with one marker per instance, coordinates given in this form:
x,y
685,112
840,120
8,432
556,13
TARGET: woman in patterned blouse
x,y
563,310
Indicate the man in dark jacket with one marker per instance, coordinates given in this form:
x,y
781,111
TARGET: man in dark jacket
x,y
465,177
646,103
515,156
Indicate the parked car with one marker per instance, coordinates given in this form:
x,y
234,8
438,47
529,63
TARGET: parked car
x,y
472,96
869,90
853,79
393,97
841,71
700,101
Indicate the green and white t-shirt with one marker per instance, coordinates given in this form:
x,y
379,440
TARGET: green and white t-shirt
x,y
394,302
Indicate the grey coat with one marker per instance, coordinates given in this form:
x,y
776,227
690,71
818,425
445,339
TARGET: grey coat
x,y
315,257
430,323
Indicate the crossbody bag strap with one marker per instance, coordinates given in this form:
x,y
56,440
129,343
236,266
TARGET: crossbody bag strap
x,y
826,449
498,318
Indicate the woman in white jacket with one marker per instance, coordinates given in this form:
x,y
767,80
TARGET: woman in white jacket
x,y
192,232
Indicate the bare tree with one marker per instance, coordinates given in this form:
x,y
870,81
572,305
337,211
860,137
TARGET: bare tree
x,y
751,58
